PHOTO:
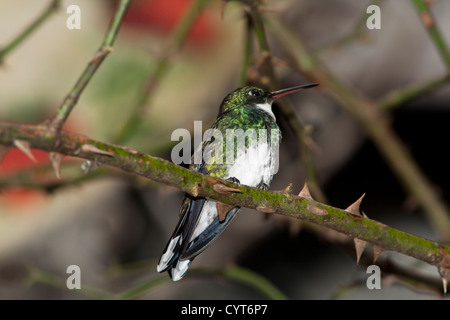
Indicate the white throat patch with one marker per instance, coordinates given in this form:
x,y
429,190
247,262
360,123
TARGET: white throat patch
x,y
267,107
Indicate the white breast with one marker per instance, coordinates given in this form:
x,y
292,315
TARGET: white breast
x,y
253,165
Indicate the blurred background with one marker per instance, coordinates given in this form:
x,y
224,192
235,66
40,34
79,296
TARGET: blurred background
x,y
114,226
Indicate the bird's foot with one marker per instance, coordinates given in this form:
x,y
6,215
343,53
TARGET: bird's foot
x,y
262,186
234,180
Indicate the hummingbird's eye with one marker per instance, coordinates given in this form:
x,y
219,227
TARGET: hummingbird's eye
x,y
255,93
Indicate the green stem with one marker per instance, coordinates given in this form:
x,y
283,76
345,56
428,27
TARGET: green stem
x,y
357,33
141,288
243,275
429,22
39,276
247,51
399,97
59,118
255,281
29,30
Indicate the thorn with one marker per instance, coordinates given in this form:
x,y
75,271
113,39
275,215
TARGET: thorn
x,y
265,209
132,151
360,245
211,180
90,148
305,192
444,283
316,210
55,159
445,276
354,207
377,251
24,146
223,209
3,151
223,189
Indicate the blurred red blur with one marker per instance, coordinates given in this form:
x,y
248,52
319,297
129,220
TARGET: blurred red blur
x,y
162,16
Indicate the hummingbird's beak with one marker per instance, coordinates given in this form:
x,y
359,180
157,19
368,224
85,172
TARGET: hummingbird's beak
x,y
280,93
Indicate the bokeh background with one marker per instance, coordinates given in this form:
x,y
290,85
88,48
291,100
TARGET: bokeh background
x,y
115,226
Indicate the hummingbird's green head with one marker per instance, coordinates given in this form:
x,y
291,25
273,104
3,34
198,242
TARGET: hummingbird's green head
x,y
253,97
243,98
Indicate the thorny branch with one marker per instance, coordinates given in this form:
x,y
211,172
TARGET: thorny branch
x,y
374,121
348,221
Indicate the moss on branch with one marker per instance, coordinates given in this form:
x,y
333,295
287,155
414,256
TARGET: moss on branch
x,y
197,184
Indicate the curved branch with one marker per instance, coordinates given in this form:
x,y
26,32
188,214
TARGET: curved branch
x,y
399,97
197,184
52,7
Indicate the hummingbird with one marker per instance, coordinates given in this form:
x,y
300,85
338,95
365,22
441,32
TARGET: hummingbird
x,y
247,110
